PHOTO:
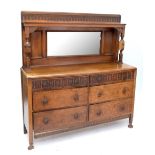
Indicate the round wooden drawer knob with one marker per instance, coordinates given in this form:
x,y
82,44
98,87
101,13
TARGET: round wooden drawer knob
x,y
76,116
98,113
125,90
44,101
76,97
45,120
99,94
122,108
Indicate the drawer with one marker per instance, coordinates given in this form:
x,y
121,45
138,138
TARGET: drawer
x,y
111,92
111,77
110,110
60,83
59,98
59,119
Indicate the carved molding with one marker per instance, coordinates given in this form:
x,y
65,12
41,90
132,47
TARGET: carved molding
x,y
104,78
121,30
58,83
32,29
81,81
36,17
27,45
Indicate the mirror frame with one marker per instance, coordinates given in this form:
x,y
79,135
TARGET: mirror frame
x,y
76,59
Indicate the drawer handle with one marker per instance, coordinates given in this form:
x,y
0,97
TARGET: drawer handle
x,y
76,116
125,90
44,101
99,94
98,113
76,97
45,120
122,108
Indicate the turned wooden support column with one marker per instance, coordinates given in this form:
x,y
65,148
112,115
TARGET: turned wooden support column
x,y
27,46
121,45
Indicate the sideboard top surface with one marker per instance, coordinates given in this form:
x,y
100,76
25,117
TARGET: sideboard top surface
x,y
49,71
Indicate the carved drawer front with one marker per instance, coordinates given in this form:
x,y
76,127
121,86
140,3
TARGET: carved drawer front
x,y
105,78
110,110
59,119
111,92
60,83
59,98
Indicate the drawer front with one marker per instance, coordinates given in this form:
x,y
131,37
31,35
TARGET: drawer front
x,y
111,92
60,83
110,110
59,119
59,98
114,77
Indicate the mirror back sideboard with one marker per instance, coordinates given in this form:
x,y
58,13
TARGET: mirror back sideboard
x,y
62,92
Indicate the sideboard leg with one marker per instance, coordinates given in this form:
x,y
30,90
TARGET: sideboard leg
x,y
25,130
22,88
30,147
130,121
30,117
30,134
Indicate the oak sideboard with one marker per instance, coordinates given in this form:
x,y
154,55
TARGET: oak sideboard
x,y
66,92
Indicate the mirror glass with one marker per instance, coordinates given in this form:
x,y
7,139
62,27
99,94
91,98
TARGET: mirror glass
x,y
73,43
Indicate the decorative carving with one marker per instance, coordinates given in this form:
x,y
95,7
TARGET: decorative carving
x,y
27,46
121,45
81,81
28,60
33,28
121,31
121,48
103,78
29,17
58,83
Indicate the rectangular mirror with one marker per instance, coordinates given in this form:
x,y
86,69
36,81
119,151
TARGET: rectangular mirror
x,y
73,43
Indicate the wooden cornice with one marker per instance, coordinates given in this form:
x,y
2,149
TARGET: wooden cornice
x,y
69,18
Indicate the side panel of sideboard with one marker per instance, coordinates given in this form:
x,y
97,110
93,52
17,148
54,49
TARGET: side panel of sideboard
x,y
24,102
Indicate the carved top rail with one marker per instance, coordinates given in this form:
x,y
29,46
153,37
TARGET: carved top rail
x,y
51,18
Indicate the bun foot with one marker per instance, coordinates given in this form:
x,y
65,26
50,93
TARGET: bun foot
x,y
130,126
30,147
